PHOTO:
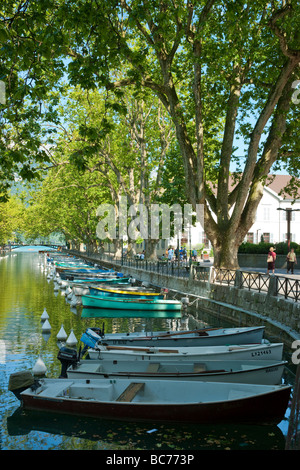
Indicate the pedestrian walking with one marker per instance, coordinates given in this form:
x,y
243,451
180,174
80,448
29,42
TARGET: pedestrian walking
x,y
271,260
170,254
291,260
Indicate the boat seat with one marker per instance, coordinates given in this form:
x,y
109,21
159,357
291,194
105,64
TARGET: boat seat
x,y
55,389
89,367
199,367
153,367
131,391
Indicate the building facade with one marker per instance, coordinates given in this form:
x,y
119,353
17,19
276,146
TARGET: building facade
x,y
271,225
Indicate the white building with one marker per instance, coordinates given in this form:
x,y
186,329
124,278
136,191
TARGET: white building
x,y
270,223
271,220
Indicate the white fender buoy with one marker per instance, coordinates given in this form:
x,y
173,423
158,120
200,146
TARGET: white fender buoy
x,y
71,341
46,326
46,336
62,335
69,295
39,368
45,315
75,300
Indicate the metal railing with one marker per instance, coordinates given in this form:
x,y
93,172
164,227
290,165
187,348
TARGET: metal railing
x,y
223,276
287,287
168,268
255,281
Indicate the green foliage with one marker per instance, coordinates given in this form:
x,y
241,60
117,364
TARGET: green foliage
x,y
219,69
11,219
263,248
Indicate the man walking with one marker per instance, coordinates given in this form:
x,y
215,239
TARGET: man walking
x,y
291,260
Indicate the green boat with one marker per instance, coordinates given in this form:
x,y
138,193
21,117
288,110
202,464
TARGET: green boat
x,y
105,313
129,303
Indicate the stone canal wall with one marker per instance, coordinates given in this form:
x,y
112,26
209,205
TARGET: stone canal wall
x,y
239,305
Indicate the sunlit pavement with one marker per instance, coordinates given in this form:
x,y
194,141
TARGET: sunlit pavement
x,y
278,272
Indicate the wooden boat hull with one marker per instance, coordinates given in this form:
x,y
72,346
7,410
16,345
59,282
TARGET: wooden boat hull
x,y
272,351
128,304
252,372
204,337
231,403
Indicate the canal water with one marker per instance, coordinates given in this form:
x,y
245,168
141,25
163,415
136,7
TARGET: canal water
x,y
25,291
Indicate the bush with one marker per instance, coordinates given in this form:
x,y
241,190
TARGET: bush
x,y
259,248
263,248
282,248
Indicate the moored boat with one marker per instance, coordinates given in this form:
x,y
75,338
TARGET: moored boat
x,y
256,372
125,292
199,337
102,281
159,400
270,351
71,275
125,303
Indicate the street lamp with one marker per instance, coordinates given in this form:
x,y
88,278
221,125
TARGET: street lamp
x,y
288,211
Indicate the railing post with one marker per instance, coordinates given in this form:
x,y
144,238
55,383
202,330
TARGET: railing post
x,y
238,279
272,289
211,275
192,272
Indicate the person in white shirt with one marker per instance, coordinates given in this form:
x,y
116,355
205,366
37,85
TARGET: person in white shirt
x,y
291,260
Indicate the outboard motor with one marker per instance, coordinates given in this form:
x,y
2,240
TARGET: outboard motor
x,y
20,381
68,357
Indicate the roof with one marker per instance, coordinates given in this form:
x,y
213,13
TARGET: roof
x,y
278,182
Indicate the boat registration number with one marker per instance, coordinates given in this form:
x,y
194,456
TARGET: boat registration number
x,y
261,353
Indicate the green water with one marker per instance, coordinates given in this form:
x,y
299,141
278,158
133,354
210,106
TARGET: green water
x,y
25,291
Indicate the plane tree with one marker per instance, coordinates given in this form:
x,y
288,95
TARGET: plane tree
x,y
66,202
11,219
224,71
218,67
129,150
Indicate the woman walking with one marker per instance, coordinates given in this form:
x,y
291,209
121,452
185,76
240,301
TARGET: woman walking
x,y
271,260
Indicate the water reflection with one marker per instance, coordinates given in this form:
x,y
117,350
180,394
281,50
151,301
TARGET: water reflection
x,y
25,291
104,434
110,313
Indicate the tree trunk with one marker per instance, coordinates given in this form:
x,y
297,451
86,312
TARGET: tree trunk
x,y
131,250
150,249
118,248
226,253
